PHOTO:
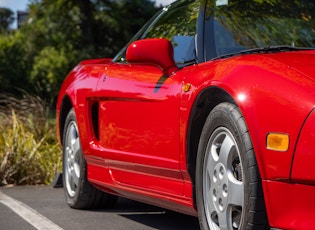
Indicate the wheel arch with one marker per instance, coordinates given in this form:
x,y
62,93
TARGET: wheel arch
x,y
66,106
203,105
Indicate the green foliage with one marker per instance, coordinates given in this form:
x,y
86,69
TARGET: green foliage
x,y
48,70
14,66
59,34
29,152
6,19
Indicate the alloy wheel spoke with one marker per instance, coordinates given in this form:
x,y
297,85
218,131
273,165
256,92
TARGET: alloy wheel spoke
x,y
75,178
223,220
71,183
210,167
72,132
226,150
210,205
236,192
76,147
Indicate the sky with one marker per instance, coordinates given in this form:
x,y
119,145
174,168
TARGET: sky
x,y
15,5
21,5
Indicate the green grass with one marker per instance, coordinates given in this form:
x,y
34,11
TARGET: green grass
x,y
29,152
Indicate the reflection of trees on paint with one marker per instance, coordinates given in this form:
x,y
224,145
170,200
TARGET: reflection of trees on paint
x,y
261,23
181,21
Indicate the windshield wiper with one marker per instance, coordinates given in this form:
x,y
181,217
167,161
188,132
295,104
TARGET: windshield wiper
x,y
269,49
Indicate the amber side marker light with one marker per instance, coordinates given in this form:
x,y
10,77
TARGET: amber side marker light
x,y
278,142
186,87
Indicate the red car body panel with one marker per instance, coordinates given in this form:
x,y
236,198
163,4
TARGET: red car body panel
x,y
302,168
289,205
137,120
135,158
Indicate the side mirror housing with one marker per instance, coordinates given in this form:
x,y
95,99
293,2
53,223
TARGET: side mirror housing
x,y
154,51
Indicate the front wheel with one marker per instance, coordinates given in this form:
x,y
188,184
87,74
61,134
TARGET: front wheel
x,y
79,192
228,184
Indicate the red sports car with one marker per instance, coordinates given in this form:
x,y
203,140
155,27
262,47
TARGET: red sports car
x,y
208,111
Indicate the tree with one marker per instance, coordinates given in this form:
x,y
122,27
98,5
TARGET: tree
x,y
59,34
14,67
72,30
6,19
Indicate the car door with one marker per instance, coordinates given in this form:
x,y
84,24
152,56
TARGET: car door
x,y
139,111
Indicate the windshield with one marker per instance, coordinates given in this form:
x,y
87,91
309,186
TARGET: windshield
x,y
236,25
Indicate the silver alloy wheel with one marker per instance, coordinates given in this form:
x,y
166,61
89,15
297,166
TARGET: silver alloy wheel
x,y
72,159
223,190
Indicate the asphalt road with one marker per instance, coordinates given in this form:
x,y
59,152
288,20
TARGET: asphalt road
x,y
44,207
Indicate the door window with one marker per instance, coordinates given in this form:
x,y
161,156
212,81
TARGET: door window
x,y
178,24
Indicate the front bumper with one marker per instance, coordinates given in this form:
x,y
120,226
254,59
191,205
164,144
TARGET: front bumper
x,y
290,205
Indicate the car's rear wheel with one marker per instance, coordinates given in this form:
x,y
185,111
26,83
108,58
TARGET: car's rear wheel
x,y
79,192
228,184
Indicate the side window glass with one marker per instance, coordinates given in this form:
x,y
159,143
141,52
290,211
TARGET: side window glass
x,y
218,37
230,29
178,25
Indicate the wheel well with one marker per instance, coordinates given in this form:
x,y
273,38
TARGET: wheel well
x,y
66,106
205,102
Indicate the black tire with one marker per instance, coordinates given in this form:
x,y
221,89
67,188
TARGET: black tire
x,y
228,185
80,194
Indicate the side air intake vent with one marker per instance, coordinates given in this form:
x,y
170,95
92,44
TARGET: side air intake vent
x,y
95,120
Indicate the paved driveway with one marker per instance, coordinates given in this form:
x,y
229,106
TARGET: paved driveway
x,y
44,207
